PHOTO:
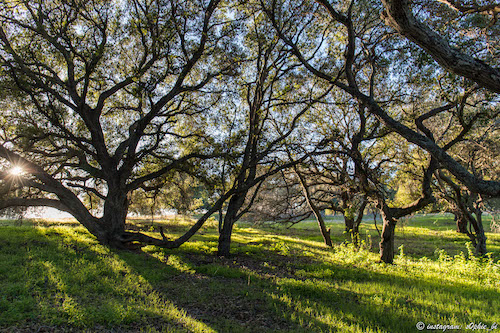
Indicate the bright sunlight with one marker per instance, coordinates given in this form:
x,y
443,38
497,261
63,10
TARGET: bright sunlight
x,y
16,171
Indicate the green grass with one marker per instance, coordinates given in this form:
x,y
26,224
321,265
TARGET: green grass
x,y
55,276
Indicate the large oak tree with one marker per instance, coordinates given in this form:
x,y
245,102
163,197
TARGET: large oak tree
x,y
104,99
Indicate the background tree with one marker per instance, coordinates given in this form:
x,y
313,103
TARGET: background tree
x,y
272,98
365,29
358,72
478,150
180,193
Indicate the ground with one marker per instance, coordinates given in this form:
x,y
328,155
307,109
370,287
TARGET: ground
x,y
55,277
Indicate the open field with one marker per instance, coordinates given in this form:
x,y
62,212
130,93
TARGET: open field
x,y
55,277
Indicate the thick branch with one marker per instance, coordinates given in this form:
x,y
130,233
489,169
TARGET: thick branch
x,y
491,188
398,15
426,198
36,202
492,8
135,184
164,242
69,199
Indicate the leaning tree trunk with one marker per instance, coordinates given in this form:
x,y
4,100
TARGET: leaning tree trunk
x,y
480,236
387,239
224,247
322,227
319,218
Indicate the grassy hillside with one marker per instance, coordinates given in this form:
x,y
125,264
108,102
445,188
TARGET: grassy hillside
x,y
55,277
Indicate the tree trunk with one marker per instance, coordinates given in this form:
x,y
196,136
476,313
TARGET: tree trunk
x,y
463,227
359,218
321,222
461,223
352,228
113,226
355,235
481,242
349,222
114,219
387,239
480,236
224,247
221,221
322,227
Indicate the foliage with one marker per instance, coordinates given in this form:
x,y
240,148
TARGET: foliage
x,y
180,193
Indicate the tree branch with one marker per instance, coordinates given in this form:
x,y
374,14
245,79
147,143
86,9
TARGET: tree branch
x,y
38,202
398,15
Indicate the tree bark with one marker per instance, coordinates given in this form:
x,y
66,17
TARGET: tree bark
x,y
349,222
479,231
359,218
467,204
461,223
224,247
322,226
352,228
398,15
355,235
235,203
387,239
319,218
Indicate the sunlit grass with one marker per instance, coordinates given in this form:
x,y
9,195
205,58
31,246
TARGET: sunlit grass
x,y
63,277
279,280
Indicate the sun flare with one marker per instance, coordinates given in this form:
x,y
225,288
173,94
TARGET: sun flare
x,y
16,171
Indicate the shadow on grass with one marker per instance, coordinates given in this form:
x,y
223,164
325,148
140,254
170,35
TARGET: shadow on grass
x,y
60,279
456,300
242,294
69,280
